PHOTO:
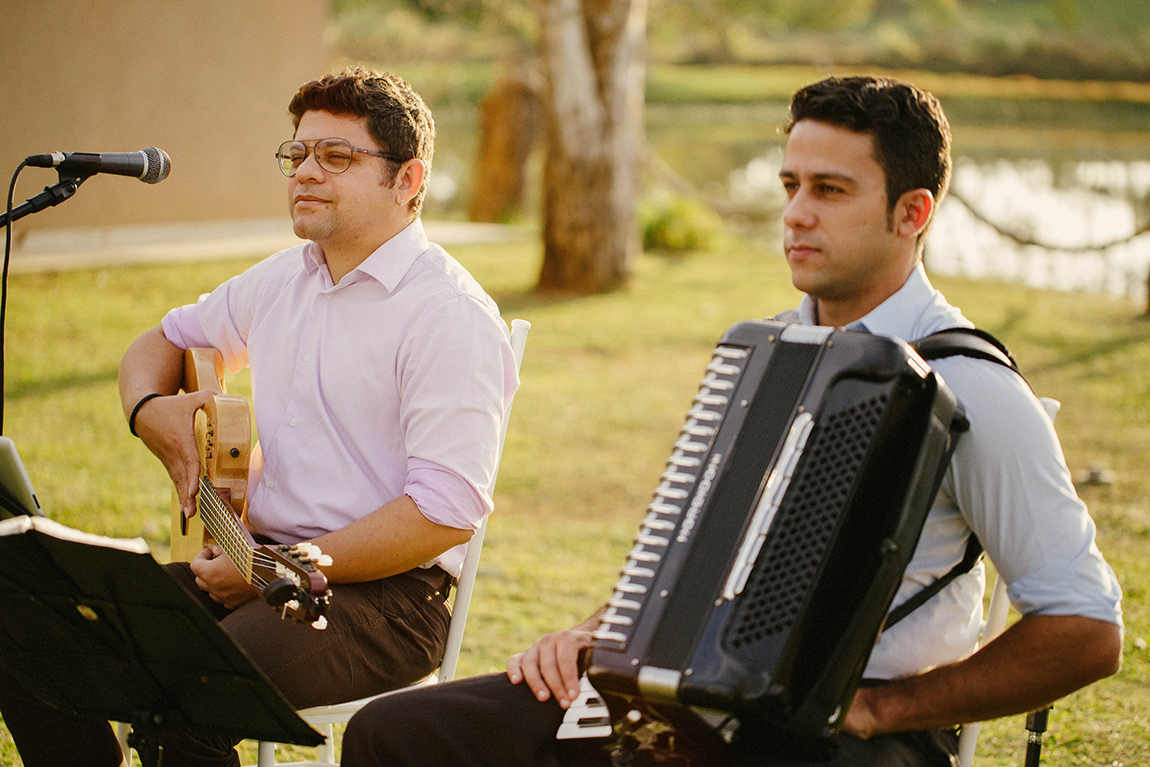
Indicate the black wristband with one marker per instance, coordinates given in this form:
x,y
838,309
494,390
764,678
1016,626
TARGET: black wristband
x,y
136,409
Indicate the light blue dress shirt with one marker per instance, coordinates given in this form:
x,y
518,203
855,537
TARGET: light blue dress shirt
x,y
1009,483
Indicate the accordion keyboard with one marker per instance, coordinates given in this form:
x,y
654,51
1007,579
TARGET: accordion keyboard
x,y
684,468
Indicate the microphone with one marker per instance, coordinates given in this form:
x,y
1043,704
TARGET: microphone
x,y
150,165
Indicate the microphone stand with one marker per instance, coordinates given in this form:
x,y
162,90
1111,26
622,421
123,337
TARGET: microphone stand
x,y
52,195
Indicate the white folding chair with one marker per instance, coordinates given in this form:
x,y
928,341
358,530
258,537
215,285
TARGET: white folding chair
x,y
323,717
992,626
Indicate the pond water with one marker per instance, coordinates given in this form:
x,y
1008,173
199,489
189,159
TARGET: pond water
x,y
1064,224
1045,193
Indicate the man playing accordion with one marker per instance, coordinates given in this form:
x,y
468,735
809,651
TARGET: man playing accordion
x,y
866,163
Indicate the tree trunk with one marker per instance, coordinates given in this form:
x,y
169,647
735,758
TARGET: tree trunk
x,y
509,118
593,52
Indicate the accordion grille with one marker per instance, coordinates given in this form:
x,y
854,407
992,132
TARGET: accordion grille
x,y
805,526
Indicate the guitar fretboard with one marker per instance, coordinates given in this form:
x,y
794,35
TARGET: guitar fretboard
x,y
225,527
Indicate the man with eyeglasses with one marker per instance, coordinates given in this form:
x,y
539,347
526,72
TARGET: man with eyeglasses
x,y
380,374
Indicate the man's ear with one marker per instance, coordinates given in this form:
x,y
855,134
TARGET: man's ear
x,y
912,213
410,178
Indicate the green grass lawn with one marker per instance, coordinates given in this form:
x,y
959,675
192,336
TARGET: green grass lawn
x,y
606,383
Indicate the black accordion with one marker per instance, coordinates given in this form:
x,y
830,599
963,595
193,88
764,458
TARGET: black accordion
x,y
760,578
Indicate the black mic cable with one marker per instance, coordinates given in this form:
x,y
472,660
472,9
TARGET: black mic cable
x,y
4,284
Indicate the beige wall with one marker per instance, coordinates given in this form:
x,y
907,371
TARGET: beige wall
x,y
208,81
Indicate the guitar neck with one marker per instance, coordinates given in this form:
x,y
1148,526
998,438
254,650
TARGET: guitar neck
x,y
227,531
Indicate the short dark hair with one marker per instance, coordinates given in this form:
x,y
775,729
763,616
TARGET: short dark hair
x,y
911,132
396,116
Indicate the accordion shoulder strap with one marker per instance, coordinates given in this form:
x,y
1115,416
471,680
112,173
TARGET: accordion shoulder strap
x,y
966,342
969,558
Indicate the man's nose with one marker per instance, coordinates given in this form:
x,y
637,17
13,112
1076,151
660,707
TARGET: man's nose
x,y
797,212
309,169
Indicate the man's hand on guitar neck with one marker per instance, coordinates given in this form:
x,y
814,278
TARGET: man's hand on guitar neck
x,y
217,575
167,426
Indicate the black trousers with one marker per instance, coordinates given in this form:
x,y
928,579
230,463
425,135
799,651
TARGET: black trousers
x,y
487,721
381,635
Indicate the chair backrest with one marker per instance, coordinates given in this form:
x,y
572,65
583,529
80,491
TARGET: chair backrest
x,y
992,626
466,585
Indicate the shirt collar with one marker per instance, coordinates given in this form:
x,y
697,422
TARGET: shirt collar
x,y
387,264
913,311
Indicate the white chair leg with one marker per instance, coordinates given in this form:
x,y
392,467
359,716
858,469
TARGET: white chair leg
x,y
266,755
122,731
967,742
995,623
326,752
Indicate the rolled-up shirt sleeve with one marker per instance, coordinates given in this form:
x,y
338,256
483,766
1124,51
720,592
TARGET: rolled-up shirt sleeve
x,y
444,497
1011,480
456,376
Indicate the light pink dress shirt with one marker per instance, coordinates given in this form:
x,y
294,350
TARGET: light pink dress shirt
x,y
393,382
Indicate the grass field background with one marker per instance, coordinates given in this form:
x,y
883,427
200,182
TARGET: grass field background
x,y
606,383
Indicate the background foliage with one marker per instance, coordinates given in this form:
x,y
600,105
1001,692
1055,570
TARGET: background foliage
x,y
1070,39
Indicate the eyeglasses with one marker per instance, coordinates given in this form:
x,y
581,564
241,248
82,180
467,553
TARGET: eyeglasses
x,y
333,155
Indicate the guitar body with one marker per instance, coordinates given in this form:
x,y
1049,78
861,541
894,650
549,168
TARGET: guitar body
x,y
223,435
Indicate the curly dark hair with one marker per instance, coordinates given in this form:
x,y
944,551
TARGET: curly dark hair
x,y
396,116
911,132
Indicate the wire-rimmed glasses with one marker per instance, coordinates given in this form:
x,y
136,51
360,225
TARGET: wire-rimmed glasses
x,y
333,154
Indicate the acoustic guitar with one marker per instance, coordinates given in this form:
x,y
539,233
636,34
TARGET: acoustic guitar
x,y
287,576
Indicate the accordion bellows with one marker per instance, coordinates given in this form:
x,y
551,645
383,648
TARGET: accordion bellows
x,y
790,507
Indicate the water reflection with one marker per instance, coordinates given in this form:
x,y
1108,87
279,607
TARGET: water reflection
x,y
1064,226
758,181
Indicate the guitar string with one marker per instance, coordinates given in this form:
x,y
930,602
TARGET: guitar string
x,y
230,532
226,534
223,529
210,501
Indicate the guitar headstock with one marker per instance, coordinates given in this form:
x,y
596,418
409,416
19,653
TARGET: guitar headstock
x,y
295,585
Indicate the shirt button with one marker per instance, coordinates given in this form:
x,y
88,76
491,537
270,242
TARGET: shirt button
x,y
307,358
292,422
270,484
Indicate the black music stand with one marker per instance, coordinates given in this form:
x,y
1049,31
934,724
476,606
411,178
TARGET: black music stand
x,y
94,626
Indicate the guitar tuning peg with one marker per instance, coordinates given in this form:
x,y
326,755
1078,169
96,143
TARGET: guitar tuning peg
x,y
324,560
319,623
313,551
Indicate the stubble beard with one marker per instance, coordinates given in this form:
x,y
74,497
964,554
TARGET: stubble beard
x,y
308,226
